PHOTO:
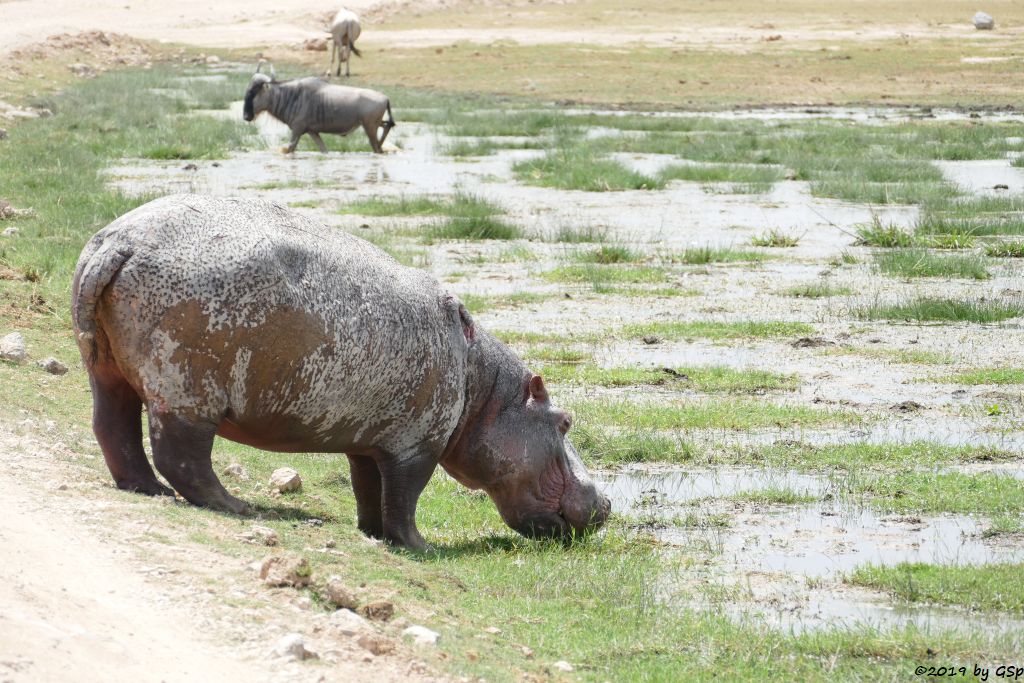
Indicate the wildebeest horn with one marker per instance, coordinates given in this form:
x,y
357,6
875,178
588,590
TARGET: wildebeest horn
x,y
273,74
259,65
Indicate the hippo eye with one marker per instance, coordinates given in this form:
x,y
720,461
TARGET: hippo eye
x,y
565,424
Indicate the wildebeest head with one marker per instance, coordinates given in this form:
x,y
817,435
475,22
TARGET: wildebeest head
x,y
256,96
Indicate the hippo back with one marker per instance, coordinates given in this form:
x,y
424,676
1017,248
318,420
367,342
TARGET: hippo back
x,y
245,311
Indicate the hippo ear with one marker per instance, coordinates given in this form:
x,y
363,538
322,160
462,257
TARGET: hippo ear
x,y
537,390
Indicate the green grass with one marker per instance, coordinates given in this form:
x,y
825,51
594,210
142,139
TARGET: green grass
x,y
605,448
574,234
885,236
609,254
556,354
704,414
933,309
976,587
598,275
473,218
817,290
911,263
973,215
773,495
477,303
858,455
908,356
574,167
398,206
744,179
709,254
774,238
706,379
1006,249
983,376
985,493
747,329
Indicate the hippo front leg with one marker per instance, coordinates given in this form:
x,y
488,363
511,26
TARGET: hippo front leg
x,y
403,479
366,486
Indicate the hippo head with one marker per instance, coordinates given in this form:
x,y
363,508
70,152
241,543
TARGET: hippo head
x,y
256,96
514,444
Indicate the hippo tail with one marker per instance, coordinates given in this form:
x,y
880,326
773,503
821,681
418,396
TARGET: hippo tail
x,y
99,264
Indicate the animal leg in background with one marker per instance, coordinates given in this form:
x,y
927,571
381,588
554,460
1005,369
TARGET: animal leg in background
x,y
371,133
334,52
403,479
366,486
319,142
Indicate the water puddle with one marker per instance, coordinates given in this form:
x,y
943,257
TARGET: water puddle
x,y
984,176
787,563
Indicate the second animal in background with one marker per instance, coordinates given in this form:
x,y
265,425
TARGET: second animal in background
x,y
344,32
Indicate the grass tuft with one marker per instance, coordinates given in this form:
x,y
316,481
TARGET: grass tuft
x,y
923,263
774,238
932,309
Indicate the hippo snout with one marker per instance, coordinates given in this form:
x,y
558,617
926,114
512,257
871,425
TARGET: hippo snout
x,y
567,524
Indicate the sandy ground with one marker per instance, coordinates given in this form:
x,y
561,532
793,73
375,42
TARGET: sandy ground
x,y
86,594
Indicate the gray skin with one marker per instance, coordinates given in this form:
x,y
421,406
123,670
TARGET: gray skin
x,y
242,319
312,105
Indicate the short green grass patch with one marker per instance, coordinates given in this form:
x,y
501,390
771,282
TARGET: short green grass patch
x,y
907,356
706,378
773,495
478,303
608,275
1005,249
572,167
817,290
604,447
608,254
474,218
774,238
973,216
578,234
976,587
862,454
983,493
397,206
982,376
707,329
910,263
934,309
709,254
556,354
705,414
886,236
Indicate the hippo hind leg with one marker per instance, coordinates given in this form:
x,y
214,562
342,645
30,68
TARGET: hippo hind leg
x,y
366,486
181,451
117,423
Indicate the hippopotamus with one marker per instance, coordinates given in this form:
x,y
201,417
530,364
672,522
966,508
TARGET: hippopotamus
x,y
243,319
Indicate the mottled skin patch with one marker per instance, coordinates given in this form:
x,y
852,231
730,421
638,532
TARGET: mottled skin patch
x,y
243,319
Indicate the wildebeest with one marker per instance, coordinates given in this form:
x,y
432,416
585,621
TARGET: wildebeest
x,y
312,105
345,30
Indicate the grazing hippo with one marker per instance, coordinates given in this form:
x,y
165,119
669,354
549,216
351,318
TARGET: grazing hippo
x,y
312,105
241,318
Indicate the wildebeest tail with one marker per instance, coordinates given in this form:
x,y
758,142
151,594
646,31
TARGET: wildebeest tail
x,y
352,44
390,123
99,264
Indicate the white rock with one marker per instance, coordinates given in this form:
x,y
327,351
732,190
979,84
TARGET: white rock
x,y
236,471
11,232
12,347
285,479
260,535
339,595
213,59
421,635
983,22
53,366
348,623
292,646
563,666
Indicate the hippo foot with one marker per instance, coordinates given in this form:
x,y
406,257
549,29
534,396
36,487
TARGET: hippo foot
x,y
150,487
230,504
409,539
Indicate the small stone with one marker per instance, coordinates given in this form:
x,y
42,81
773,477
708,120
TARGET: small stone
x,y
213,59
983,21
190,167
83,70
315,45
527,652
12,348
376,644
285,479
348,623
339,595
493,630
53,366
293,646
378,610
285,570
261,535
3,133
564,666
421,635
811,342
235,471
1000,186
11,232
651,339
907,407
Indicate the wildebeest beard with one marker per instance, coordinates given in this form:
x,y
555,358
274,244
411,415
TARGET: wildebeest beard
x,y
247,108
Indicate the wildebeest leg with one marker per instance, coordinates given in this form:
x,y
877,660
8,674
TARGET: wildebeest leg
x,y
334,51
366,486
403,479
319,142
117,423
371,133
296,134
181,451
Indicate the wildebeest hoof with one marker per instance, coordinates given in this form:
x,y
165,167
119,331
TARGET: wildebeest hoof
x,y
285,150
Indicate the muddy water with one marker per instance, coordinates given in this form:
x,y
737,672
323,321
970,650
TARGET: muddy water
x,y
785,564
